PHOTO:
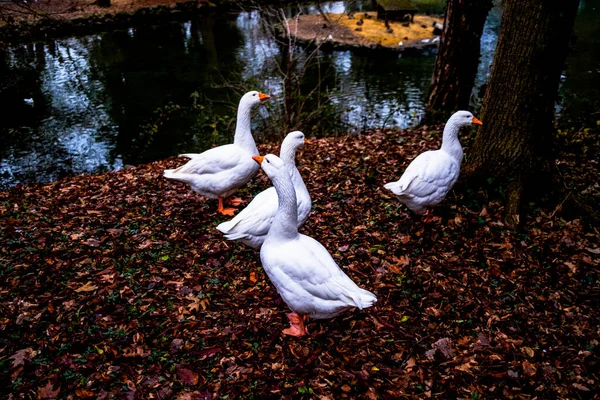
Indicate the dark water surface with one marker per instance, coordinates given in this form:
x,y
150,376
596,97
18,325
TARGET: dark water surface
x,y
89,104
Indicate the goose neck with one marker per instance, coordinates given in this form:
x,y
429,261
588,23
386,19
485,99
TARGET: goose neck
x,y
450,142
243,133
288,155
286,219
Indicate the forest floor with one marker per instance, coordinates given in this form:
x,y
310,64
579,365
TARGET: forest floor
x,y
118,285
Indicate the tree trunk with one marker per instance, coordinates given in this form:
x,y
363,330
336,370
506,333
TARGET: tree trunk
x,y
457,59
518,107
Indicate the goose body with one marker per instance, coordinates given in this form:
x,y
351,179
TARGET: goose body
x,y
252,224
306,276
220,171
430,176
309,280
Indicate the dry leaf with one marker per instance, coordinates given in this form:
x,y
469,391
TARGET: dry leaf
x,y
47,391
253,277
445,347
20,356
187,377
466,367
88,287
580,387
84,393
529,351
93,242
529,369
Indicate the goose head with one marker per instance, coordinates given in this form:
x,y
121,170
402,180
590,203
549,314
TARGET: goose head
x,y
450,142
273,166
253,98
293,141
463,118
290,144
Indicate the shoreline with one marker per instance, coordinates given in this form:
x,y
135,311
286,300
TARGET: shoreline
x,y
94,19
363,32
85,17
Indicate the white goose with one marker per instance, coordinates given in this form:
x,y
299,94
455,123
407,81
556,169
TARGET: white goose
x,y
252,224
219,172
429,177
304,273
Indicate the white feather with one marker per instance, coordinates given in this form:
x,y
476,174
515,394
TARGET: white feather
x,y
304,273
430,176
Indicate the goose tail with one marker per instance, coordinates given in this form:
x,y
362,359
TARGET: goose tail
x,y
226,227
394,187
365,299
172,174
189,155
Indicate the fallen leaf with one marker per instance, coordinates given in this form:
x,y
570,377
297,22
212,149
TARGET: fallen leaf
x,y
529,369
466,367
187,377
84,393
22,355
529,351
93,242
88,287
580,387
47,391
176,345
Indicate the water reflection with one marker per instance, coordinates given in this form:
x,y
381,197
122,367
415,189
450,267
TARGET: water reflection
x,y
123,97
72,131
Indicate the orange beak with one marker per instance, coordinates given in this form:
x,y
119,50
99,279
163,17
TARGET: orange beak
x,y
258,159
476,121
263,97
307,141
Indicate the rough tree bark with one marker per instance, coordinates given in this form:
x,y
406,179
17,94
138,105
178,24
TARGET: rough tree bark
x,y
457,59
515,140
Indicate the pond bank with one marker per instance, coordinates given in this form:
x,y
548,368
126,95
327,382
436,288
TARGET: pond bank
x,y
65,18
365,31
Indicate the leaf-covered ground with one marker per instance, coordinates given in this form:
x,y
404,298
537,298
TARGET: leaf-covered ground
x,y
119,286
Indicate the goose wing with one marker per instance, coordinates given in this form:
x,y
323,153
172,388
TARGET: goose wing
x,y
255,219
304,268
428,173
215,160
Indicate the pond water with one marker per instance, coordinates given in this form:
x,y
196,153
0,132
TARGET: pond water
x,y
99,102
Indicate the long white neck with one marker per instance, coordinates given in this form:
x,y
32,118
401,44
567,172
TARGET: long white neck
x,y
297,180
450,143
286,219
243,134
288,154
